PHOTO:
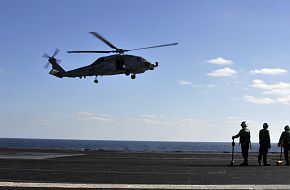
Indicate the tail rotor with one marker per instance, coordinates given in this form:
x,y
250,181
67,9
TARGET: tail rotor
x,y
51,58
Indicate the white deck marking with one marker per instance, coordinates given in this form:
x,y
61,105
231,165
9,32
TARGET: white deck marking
x,y
36,156
135,186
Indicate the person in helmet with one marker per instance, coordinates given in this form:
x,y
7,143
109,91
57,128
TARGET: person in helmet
x,y
284,141
245,141
264,141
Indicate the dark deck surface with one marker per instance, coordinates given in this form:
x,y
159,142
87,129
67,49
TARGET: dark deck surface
x,y
137,168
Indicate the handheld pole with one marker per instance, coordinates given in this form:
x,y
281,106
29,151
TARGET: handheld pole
x,y
279,162
233,151
281,154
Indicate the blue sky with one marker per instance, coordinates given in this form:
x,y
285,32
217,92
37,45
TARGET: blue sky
x,y
231,65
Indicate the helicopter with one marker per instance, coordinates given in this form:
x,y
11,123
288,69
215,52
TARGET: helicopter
x,y
118,63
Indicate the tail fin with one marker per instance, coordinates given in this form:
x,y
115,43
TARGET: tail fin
x,y
57,70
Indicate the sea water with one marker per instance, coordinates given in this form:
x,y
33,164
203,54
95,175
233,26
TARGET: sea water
x,y
142,146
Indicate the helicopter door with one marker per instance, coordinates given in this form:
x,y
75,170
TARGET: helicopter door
x,y
119,64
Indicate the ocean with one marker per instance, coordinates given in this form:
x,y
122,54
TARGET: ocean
x,y
141,146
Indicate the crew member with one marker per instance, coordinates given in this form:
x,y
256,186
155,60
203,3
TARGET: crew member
x,y
284,141
264,141
245,142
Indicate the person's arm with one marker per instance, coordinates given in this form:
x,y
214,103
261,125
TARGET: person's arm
x,y
250,140
269,140
236,136
280,140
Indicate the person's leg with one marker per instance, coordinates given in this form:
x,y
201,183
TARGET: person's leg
x,y
286,156
260,155
265,152
247,153
245,150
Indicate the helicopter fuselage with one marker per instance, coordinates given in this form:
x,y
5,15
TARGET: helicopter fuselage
x,y
112,65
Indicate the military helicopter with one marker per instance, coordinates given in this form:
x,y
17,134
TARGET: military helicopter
x,y
119,63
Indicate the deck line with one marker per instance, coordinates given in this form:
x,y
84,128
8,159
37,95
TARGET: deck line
x,y
135,186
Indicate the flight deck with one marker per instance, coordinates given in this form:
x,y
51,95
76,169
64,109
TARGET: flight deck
x,y
60,169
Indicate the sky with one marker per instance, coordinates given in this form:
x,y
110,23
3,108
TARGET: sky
x,y
231,65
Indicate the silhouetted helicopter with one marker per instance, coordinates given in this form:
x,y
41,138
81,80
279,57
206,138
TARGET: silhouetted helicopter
x,y
119,63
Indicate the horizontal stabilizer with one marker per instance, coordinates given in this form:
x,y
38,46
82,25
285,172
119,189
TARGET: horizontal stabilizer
x,y
56,73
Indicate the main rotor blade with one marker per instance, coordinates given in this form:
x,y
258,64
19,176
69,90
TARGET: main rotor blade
x,y
104,40
172,44
90,51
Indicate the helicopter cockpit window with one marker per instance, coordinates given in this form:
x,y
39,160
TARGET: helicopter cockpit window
x,y
99,60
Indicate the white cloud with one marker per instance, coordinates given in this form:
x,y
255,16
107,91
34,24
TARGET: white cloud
x,y
226,72
183,82
282,86
269,71
148,119
87,116
142,120
197,85
279,92
220,61
255,100
284,100
165,121
210,85
26,119
233,120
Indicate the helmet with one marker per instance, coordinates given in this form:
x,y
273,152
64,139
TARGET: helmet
x,y
265,125
244,124
286,128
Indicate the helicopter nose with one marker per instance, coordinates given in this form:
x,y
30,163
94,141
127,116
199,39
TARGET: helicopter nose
x,y
149,65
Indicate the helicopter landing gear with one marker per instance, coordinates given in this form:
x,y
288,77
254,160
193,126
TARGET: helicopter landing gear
x,y
96,80
133,76
127,72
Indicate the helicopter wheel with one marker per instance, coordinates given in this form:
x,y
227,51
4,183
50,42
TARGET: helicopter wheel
x,y
96,81
133,76
127,72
